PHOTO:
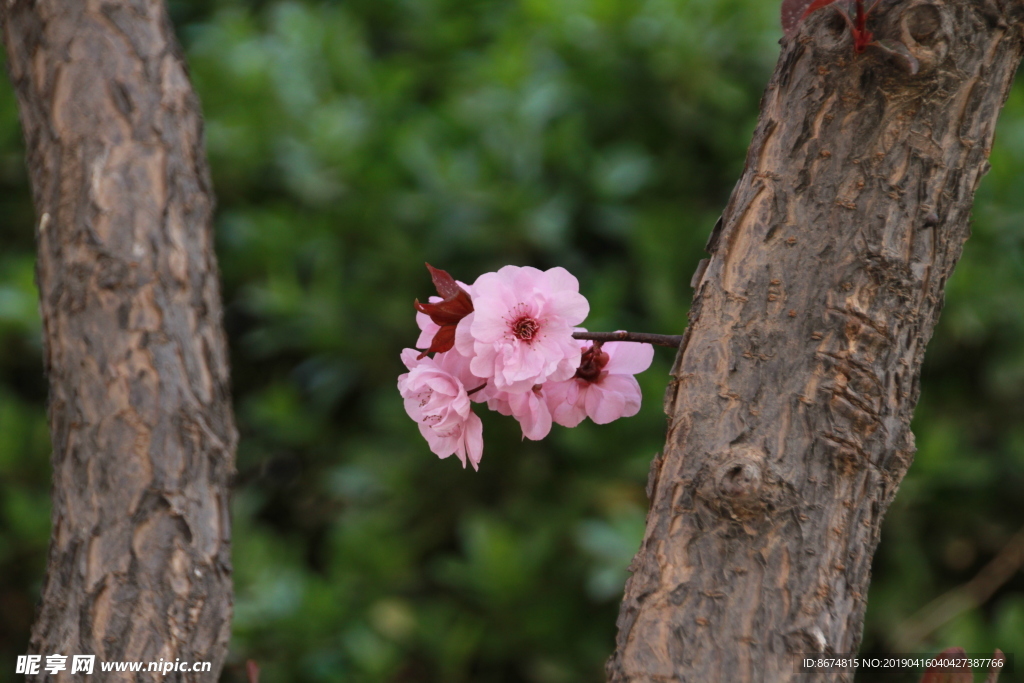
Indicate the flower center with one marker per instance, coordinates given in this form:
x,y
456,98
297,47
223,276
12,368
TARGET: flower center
x,y
525,328
592,363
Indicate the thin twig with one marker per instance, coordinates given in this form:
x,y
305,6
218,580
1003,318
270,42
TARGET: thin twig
x,y
974,593
673,340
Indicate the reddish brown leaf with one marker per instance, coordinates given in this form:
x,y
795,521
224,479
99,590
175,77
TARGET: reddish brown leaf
x,y
455,303
814,6
446,285
443,341
943,674
252,670
791,12
446,312
795,11
453,307
993,671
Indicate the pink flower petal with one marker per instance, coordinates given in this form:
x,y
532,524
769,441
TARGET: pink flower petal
x,y
571,307
526,278
482,363
566,401
428,328
604,406
434,395
489,326
625,386
533,415
559,278
409,358
463,337
519,335
627,358
473,436
441,445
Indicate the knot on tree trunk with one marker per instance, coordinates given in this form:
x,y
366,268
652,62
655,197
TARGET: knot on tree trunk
x,y
739,484
926,28
740,480
914,36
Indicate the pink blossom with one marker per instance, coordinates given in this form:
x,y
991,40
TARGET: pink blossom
x,y
604,388
520,331
428,328
435,396
529,408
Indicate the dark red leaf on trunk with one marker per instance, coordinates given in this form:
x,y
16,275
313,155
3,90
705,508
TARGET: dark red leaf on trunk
x,y
993,671
945,674
795,11
252,670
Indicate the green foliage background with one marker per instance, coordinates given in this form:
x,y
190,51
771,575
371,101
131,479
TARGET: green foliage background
x,y
353,140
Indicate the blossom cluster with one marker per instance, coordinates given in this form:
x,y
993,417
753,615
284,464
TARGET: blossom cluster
x,y
507,341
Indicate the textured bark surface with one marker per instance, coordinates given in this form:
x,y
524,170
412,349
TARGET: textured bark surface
x,y
792,394
141,422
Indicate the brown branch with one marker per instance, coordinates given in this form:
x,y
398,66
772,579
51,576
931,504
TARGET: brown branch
x,y
672,340
953,603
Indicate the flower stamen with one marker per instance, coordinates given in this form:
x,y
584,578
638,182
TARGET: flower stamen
x,y
525,328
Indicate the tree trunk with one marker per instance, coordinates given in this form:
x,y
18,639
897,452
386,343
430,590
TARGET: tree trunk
x,y
792,394
141,422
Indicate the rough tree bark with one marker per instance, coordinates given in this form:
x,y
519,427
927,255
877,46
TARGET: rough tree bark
x,y
793,390
141,422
